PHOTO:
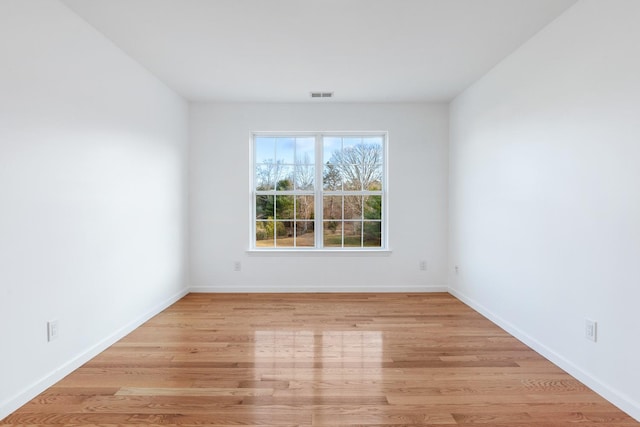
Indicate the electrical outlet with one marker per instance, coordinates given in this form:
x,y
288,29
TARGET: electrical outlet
x,y
53,330
237,266
457,269
423,265
591,330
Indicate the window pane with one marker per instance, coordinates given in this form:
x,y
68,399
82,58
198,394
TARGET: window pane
x,y
264,207
305,207
372,234
305,236
284,150
332,236
373,174
331,178
373,207
264,234
265,177
351,176
353,207
284,234
265,150
284,207
359,164
305,177
352,150
349,163
332,207
352,234
372,149
305,151
331,147
284,180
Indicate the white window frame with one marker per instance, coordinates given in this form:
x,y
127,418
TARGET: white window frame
x,y
318,192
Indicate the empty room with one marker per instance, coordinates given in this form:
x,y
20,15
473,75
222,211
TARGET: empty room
x,y
320,213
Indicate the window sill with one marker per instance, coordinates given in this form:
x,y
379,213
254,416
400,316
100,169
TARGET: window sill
x,y
320,252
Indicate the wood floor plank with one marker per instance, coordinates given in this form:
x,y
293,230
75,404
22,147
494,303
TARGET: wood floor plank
x,y
312,360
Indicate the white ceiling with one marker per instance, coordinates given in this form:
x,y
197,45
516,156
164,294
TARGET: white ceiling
x,y
280,50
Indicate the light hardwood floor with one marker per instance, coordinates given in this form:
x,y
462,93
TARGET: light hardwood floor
x,y
320,360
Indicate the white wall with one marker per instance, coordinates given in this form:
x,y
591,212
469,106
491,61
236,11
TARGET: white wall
x,y
220,199
545,194
92,176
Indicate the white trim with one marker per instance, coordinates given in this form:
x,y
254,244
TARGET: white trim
x,y
622,401
318,208
225,289
342,252
252,186
22,397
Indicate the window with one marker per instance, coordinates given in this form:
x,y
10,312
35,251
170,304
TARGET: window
x,y
315,191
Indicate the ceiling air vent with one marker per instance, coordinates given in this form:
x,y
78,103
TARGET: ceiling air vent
x,y
322,94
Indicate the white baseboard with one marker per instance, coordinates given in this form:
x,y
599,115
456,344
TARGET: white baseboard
x,y
12,404
215,289
620,400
